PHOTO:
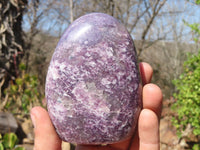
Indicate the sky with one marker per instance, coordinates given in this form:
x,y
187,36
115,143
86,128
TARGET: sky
x,y
186,11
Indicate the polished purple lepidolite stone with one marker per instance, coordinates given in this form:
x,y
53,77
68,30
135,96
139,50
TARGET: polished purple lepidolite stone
x,y
92,85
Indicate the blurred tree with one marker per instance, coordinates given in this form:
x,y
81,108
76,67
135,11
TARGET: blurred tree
x,y
35,14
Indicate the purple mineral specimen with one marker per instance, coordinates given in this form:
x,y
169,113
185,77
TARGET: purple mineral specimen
x,y
92,85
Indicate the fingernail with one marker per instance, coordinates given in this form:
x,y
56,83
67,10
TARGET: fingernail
x,y
33,119
142,74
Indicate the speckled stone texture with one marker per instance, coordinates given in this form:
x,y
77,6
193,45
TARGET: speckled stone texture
x,y
92,85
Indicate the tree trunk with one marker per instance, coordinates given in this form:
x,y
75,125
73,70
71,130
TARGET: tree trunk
x,y
11,38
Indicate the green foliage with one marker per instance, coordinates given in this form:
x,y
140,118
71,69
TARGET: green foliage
x,y
23,93
187,105
197,2
196,29
9,142
196,147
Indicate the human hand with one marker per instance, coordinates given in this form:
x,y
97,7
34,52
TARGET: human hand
x,y
146,138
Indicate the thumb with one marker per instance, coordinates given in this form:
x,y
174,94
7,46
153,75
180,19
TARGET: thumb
x,y
46,137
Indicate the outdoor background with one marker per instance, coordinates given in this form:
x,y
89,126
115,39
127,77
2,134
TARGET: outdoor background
x,y
166,35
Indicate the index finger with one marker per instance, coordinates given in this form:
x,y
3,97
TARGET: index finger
x,y
146,72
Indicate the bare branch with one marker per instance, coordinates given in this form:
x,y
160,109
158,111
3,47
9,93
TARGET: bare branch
x,y
156,8
138,17
155,12
71,10
128,13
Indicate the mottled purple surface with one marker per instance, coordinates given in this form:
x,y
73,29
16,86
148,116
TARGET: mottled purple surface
x,y
92,85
